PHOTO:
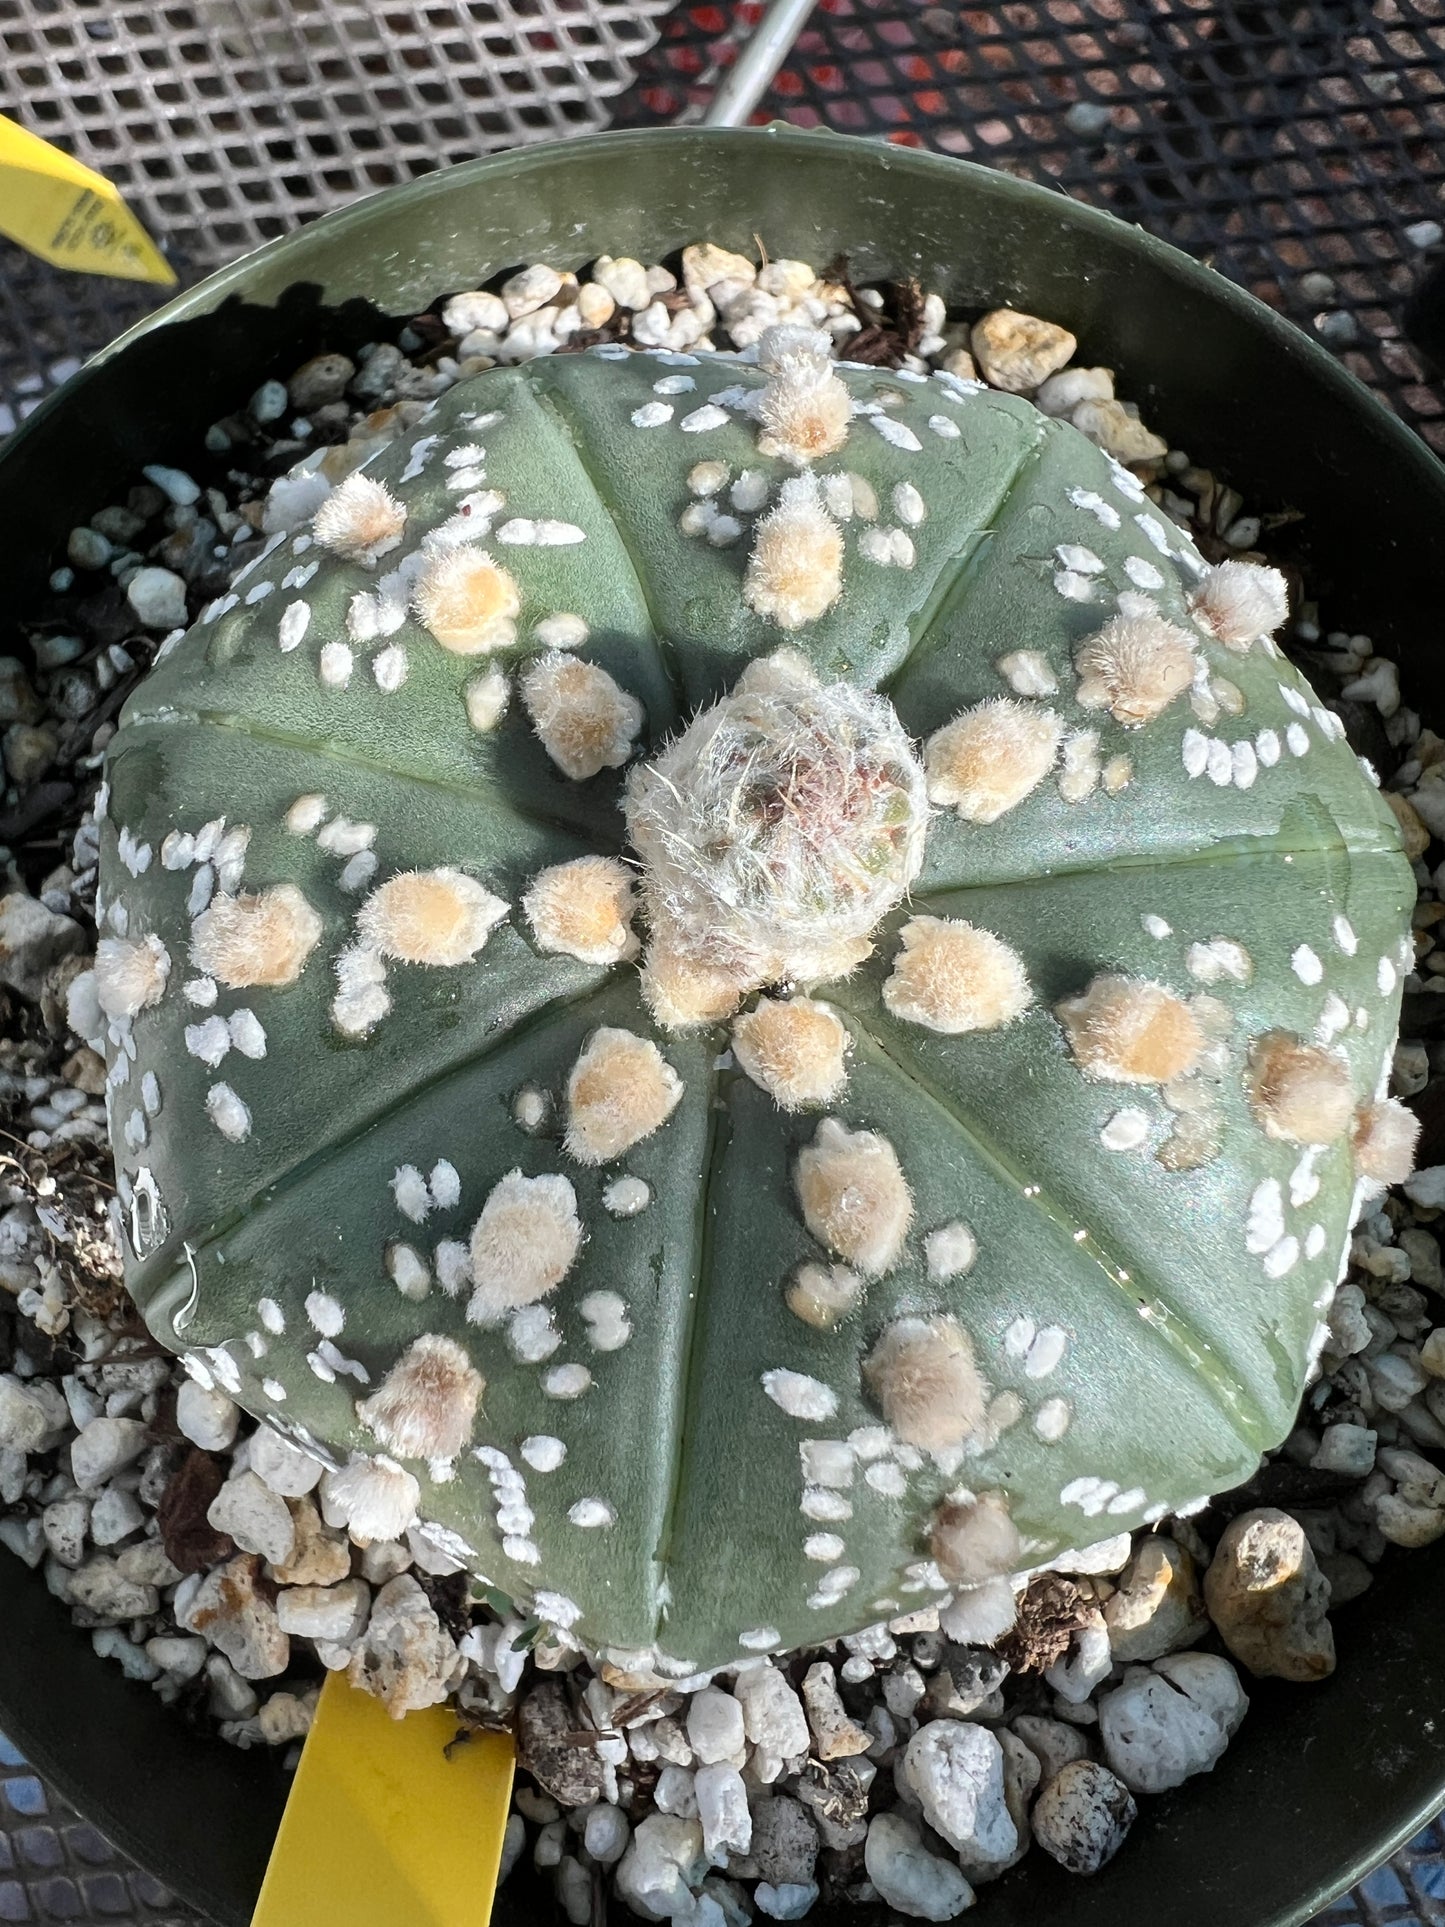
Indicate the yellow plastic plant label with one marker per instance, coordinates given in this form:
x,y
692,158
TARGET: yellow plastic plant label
x,y
70,215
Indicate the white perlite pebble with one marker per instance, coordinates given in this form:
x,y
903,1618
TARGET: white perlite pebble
x,y
664,1861
783,1900
907,1876
605,1833
257,1518
714,1725
208,1419
956,1769
334,1613
773,1717
722,1809
30,1414
286,1469
105,1447
1171,1721
115,1515
158,598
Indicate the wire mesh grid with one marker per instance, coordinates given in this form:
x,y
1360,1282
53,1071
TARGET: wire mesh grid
x,y
1300,149
226,122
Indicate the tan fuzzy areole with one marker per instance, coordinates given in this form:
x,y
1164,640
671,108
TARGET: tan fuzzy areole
x,y
620,1091
975,1540
523,1244
1134,667
583,720
130,974
1127,1030
795,572
1384,1138
794,1049
1297,1091
361,520
683,991
987,760
950,976
1238,602
249,941
854,1197
823,1295
584,909
467,602
426,1405
924,1378
440,917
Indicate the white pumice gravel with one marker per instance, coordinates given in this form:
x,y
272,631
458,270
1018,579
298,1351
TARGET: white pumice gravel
x,y
919,1757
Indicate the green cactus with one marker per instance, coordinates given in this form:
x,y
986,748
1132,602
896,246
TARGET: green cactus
x,y
985,1229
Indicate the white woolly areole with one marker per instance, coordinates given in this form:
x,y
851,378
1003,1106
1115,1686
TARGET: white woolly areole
x,y
376,1498
950,976
1134,667
256,940
620,1091
584,909
486,698
1238,602
429,916
466,601
130,975
949,1252
523,1244
805,410
923,1375
794,1049
975,1540
987,760
854,1197
427,1403
583,719
360,520
782,823
795,572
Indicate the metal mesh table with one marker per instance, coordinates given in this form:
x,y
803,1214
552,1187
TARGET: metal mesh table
x,y
1301,149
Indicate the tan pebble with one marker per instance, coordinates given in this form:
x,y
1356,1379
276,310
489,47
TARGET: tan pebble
x,y
1110,426
1017,352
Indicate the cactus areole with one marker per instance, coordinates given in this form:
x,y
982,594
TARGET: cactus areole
x,y
747,994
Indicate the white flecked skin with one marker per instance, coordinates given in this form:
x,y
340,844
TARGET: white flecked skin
x,y
1181,1304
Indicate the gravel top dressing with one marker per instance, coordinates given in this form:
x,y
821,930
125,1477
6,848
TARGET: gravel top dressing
x,y
1000,1693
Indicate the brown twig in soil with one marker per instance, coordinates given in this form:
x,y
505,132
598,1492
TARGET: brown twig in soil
x,y
882,343
1052,1609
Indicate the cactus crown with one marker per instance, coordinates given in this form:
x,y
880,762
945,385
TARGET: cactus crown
x,y
746,993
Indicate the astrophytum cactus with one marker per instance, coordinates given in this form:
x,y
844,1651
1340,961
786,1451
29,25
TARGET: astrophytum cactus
x,y
747,994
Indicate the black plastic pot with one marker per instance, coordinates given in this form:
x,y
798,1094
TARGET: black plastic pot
x,y
1321,1781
